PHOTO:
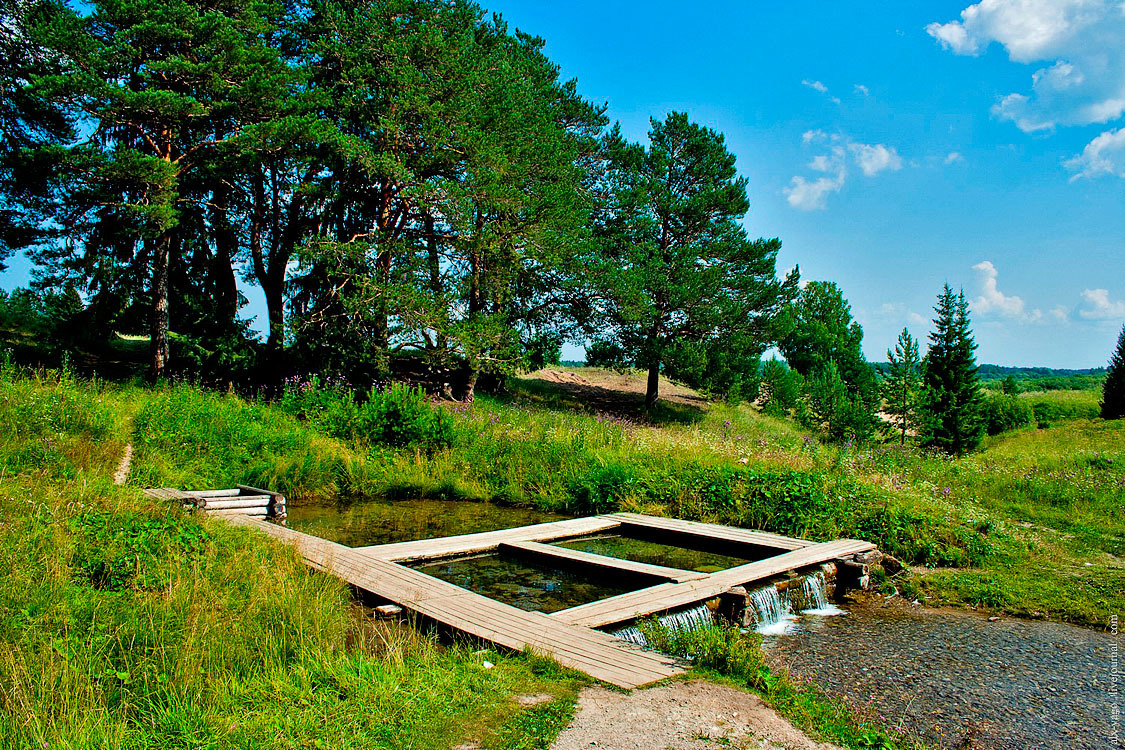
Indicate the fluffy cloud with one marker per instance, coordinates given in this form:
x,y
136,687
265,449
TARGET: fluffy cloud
x,y
1081,40
815,86
992,300
1101,307
861,89
812,194
954,157
1105,155
875,159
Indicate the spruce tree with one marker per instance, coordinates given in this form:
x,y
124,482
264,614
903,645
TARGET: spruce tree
x,y
904,379
952,403
1113,392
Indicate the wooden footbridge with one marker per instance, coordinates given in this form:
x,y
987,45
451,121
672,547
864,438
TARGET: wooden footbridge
x,y
570,636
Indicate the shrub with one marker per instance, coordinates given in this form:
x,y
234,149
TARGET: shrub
x,y
1006,412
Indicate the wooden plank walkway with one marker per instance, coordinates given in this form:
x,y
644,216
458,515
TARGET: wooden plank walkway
x,y
600,562
598,654
463,544
710,532
669,596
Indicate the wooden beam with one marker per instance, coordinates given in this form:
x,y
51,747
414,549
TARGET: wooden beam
x,y
565,556
670,596
464,544
669,529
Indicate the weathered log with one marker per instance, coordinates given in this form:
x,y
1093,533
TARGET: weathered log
x,y
253,501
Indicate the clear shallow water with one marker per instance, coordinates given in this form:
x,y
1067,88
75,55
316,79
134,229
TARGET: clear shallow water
x,y
525,584
652,553
954,679
385,522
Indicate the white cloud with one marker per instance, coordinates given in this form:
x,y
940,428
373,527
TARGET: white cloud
x,y
1103,155
898,311
1081,40
815,86
992,300
811,195
861,89
1101,307
807,195
875,159
954,157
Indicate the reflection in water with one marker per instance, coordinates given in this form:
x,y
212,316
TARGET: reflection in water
x,y
524,584
384,522
653,553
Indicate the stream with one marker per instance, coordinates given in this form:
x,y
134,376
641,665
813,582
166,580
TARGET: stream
x,y
955,679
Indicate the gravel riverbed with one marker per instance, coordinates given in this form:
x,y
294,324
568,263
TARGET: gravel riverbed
x,y
957,679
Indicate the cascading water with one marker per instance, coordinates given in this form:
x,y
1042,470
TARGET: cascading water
x,y
690,619
816,597
772,610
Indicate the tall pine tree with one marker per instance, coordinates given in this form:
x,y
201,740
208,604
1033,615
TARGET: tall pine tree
x,y
677,263
904,379
1113,392
952,402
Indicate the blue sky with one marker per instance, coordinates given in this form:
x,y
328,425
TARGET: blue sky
x,y
894,146
884,147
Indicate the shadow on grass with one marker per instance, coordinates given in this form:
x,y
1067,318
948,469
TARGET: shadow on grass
x,y
597,399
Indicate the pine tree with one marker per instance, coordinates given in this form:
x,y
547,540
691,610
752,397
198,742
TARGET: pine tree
x,y
1113,392
677,263
903,382
952,403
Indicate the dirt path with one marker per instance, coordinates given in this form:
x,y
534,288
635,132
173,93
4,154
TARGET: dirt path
x,y
122,474
679,716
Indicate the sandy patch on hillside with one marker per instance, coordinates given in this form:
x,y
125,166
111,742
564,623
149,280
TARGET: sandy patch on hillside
x,y
679,716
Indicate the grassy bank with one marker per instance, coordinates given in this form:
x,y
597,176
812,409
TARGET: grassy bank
x,y
128,625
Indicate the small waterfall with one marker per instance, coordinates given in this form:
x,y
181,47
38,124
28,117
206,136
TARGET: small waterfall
x,y
816,597
772,610
690,619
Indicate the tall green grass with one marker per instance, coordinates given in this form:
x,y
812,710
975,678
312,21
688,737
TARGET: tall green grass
x,y
131,625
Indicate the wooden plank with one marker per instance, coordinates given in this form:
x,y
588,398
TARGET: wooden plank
x,y
606,658
600,562
168,493
669,596
463,544
708,531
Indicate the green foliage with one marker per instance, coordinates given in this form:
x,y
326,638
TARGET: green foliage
x,y
398,417
1113,392
1006,412
780,388
952,399
831,407
116,551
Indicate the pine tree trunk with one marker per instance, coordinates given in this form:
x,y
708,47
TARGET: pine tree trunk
x,y
161,263
274,289
652,394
